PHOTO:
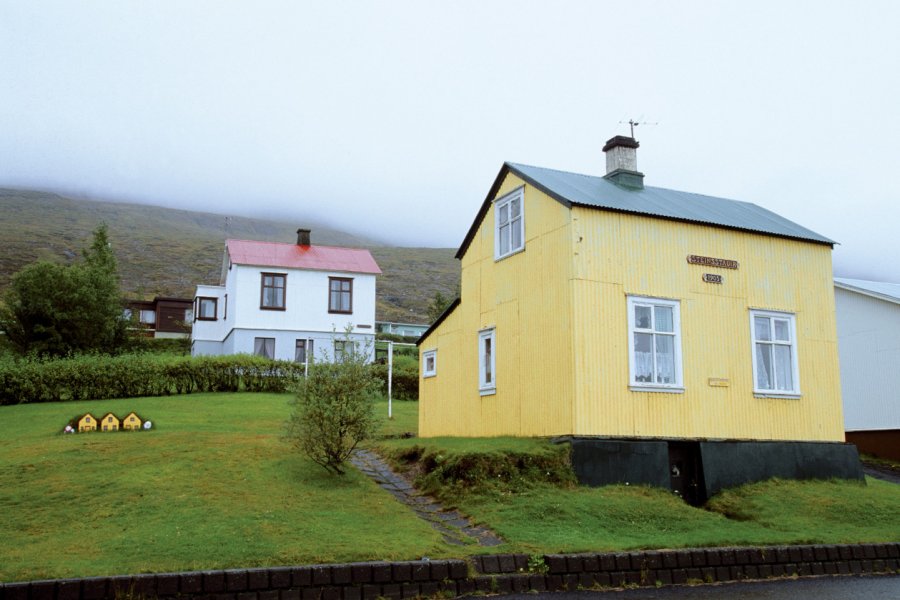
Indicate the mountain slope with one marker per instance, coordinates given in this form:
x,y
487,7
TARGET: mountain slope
x,y
167,252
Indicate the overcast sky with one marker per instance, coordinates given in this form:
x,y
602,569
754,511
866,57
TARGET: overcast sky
x,y
392,118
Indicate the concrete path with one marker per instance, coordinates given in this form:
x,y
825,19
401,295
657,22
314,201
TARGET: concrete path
x,y
455,527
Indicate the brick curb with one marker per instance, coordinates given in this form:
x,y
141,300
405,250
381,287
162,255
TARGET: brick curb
x,y
502,573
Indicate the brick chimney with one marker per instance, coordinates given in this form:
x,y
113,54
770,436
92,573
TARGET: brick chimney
x,y
621,162
303,237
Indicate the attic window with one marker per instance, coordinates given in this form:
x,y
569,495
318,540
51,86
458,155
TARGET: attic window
x,y
509,224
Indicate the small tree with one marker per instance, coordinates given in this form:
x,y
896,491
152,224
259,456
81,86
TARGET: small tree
x,y
437,306
52,309
333,410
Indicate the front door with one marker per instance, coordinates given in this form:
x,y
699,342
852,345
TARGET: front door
x,y
686,472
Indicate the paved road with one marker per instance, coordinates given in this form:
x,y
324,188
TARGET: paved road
x,y
883,474
876,587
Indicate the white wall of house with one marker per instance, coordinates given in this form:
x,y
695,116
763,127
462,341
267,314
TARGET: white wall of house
x,y
306,300
241,341
207,336
239,318
869,346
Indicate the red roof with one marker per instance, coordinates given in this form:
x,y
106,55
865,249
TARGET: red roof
x,y
292,256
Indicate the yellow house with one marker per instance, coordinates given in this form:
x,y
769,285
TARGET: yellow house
x,y
109,422
132,422
678,339
87,423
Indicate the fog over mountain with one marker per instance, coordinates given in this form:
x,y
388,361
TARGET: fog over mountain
x,y
390,121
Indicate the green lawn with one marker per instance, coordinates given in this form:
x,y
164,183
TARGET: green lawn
x,y
212,486
546,518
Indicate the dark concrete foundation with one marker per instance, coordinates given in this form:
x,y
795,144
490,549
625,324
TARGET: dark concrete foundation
x,y
604,462
696,470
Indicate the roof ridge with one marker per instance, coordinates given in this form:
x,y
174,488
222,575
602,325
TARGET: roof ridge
x,y
647,187
866,280
293,244
514,165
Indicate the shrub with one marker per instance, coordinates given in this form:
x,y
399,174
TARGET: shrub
x,y
404,381
333,410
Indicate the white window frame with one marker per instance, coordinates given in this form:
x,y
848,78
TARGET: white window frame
x,y
651,386
518,222
791,318
429,354
485,387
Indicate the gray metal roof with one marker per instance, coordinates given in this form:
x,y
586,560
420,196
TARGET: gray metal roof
x,y
879,289
587,190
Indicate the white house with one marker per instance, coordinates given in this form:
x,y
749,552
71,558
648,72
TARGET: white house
x,y
868,327
287,301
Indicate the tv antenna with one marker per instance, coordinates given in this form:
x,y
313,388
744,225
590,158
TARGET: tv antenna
x,y
227,225
633,123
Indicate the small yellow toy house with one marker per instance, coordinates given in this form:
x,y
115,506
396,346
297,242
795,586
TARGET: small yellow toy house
x,y
109,422
87,423
132,422
665,333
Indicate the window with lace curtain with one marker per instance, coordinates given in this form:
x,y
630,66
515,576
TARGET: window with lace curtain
x,y
654,344
774,353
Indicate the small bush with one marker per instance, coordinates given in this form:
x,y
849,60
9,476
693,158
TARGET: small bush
x,y
334,410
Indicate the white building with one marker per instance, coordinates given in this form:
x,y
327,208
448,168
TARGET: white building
x,y
287,301
868,327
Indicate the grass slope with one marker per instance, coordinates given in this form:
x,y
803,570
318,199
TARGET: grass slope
x,y
167,252
215,486
534,516
212,486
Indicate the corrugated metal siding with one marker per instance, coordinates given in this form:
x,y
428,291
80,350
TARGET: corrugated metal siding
x,y
620,254
527,298
869,344
559,309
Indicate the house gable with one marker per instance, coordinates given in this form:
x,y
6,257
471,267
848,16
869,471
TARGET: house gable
x,y
524,297
599,193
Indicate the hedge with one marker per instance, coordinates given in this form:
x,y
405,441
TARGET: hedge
x,y
97,377
404,382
